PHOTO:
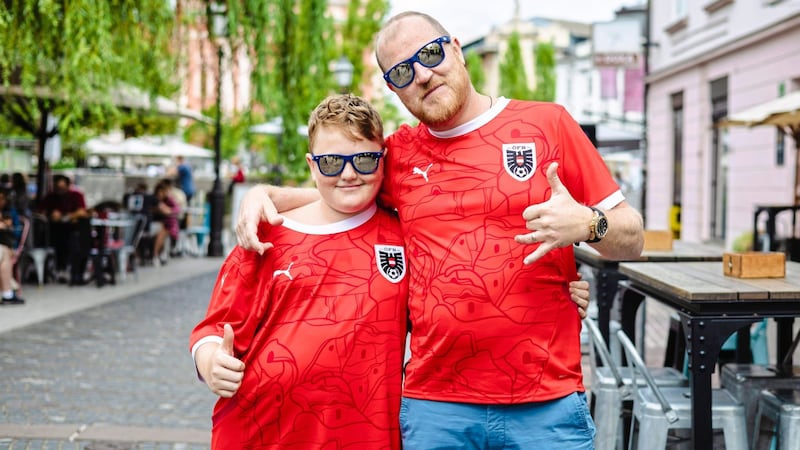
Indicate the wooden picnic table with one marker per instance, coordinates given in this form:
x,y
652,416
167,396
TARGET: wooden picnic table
x,y
712,306
607,275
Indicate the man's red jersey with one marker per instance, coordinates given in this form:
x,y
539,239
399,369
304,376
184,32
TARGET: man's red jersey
x,y
485,327
320,324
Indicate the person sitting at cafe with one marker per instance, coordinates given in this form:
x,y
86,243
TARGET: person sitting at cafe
x,y
65,209
166,214
8,242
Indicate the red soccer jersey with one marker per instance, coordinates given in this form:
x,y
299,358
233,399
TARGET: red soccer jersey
x,y
320,324
485,327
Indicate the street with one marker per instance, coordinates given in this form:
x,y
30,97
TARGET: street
x,y
118,375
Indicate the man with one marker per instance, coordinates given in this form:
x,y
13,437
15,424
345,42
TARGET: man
x,y
495,350
184,177
65,208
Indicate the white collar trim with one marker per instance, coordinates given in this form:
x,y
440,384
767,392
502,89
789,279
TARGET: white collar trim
x,y
332,228
473,124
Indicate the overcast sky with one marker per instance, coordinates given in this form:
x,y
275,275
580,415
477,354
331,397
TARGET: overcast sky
x,y
470,19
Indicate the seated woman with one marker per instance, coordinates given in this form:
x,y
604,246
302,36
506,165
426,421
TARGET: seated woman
x,y
166,213
8,241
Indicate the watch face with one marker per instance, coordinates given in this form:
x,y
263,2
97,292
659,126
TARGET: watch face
x,y
602,227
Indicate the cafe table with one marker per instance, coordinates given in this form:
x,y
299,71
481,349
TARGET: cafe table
x,y
712,306
607,275
103,228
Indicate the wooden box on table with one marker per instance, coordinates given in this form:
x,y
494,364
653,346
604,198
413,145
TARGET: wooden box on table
x,y
657,240
754,264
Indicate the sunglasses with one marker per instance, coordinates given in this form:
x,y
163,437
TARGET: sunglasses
x,y
332,165
430,55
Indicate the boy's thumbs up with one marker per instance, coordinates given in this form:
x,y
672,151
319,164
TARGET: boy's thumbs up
x,y
227,340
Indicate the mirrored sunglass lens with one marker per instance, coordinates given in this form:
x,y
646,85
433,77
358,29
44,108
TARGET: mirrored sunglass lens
x,y
401,74
431,55
329,164
365,163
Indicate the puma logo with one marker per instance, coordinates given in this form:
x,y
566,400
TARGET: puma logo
x,y
424,173
284,272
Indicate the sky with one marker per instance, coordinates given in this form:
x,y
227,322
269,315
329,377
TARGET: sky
x,y
471,19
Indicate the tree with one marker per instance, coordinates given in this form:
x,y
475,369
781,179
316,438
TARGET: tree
x,y
292,43
513,79
545,56
475,68
66,58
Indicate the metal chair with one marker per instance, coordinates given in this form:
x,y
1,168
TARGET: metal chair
x,y
194,239
610,387
782,408
124,256
659,409
746,381
38,249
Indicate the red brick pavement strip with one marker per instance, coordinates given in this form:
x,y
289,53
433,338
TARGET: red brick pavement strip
x,y
105,433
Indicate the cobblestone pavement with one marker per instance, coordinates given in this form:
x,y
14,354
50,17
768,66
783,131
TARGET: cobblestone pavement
x,y
116,376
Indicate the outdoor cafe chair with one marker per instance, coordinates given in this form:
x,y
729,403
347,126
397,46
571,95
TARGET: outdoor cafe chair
x,y
38,250
611,386
782,409
747,381
658,409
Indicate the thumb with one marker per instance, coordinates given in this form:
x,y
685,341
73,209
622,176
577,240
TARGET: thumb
x,y
552,179
227,340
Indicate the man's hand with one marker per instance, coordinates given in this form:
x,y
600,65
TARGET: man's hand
x,y
223,372
579,293
555,223
256,206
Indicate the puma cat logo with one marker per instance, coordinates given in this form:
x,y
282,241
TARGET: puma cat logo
x,y
284,272
424,173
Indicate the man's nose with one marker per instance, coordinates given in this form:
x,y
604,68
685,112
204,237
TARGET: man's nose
x,y
422,74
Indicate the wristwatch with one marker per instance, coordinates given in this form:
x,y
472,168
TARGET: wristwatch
x,y
598,227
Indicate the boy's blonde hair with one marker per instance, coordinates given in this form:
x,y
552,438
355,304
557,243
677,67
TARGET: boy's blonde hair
x,y
351,114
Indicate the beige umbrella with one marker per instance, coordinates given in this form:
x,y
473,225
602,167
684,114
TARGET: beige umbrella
x,y
783,112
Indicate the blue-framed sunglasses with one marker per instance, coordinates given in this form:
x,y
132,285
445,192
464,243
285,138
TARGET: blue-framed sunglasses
x,y
332,165
430,55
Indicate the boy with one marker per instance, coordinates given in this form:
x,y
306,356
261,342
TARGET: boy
x,y
305,344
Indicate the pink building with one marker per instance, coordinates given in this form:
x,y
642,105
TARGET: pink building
x,y
709,59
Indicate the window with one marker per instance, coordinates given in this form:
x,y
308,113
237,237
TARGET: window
x,y
679,16
715,5
719,168
677,153
679,9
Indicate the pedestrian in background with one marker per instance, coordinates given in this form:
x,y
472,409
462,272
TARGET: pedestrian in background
x,y
491,194
184,177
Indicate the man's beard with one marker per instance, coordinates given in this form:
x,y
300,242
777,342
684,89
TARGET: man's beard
x,y
440,114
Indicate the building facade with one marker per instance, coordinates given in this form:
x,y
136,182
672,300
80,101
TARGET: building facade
x,y
709,59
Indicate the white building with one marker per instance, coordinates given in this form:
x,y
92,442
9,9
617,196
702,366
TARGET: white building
x,y
709,59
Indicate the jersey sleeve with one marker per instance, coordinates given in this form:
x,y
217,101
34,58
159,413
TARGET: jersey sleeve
x,y
582,168
234,300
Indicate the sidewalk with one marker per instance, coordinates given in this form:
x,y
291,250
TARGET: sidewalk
x,y
54,300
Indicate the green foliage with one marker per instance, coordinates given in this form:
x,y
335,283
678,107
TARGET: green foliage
x,y
743,242
475,68
364,18
513,79
545,56
67,57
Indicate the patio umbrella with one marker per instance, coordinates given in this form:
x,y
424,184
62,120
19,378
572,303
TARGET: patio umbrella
x,y
783,112
123,96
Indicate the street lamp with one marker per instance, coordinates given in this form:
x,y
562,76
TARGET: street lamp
x,y
217,23
343,73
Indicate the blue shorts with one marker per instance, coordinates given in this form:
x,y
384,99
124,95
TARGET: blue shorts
x,y
564,423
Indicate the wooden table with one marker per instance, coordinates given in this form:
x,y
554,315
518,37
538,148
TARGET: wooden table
x,y
712,306
607,275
